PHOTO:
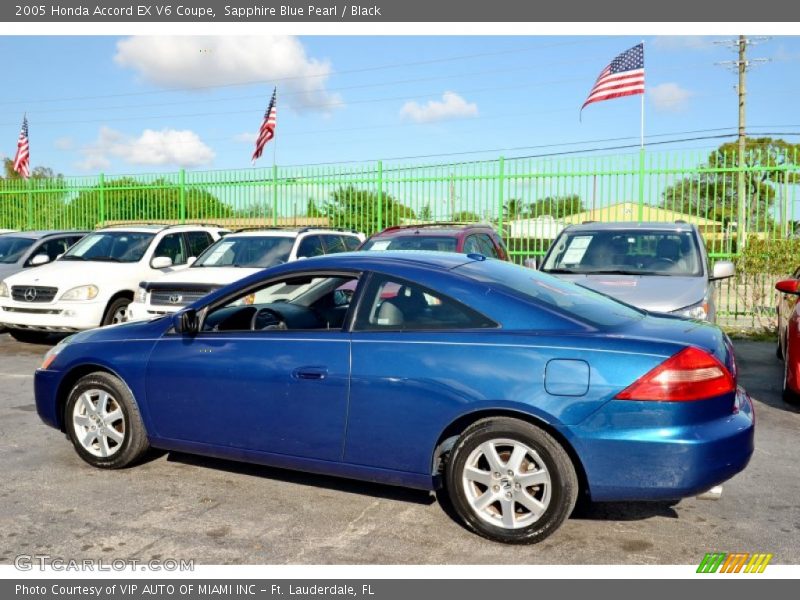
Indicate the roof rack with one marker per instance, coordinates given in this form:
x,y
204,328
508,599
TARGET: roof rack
x,y
681,221
161,225
587,222
297,228
436,224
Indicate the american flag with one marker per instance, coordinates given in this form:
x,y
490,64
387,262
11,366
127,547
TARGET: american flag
x,y
623,77
22,159
267,131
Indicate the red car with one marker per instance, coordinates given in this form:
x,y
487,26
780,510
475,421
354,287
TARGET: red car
x,y
789,336
441,237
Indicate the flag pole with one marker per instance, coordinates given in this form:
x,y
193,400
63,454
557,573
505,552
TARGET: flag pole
x,y
641,149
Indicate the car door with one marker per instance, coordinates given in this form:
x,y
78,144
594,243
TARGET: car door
x,y
281,391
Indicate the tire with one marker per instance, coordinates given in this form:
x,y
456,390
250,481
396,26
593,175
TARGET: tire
x,y
29,336
117,312
512,513
778,350
100,403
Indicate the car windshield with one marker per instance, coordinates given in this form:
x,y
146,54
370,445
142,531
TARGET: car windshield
x,y
438,243
257,252
12,248
112,246
629,252
586,305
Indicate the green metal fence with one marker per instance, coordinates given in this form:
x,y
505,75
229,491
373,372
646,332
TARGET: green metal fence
x,y
528,199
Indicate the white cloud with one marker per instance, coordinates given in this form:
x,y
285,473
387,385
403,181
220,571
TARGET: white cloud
x,y
669,97
451,106
682,42
167,147
203,61
64,143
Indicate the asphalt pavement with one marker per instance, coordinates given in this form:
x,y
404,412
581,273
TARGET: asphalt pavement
x,y
218,512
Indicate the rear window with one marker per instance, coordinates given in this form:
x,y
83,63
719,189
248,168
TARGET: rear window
x,y
436,243
584,304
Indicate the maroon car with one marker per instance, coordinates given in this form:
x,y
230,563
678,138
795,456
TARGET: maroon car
x,y
440,237
789,336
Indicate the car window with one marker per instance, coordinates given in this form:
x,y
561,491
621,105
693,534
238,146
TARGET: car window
x,y
308,302
397,305
471,245
351,242
53,248
635,251
172,246
334,244
198,241
12,248
437,243
114,246
310,246
249,251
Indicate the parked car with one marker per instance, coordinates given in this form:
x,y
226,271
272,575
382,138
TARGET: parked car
x,y
441,237
660,267
29,249
789,336
2,231
510,389
238,255
94,281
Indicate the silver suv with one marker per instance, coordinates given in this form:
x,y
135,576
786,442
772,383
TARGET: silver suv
x,y
660,267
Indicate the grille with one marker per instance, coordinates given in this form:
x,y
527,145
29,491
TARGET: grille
x,y
33,293
176,297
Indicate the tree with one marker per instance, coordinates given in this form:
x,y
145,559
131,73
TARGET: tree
x,y
466,216
312,210
126,199
424,213
712,191
555,206
37,203
355,208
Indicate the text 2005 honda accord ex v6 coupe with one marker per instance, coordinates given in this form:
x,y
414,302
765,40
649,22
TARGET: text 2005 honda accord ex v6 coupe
x,y
511,389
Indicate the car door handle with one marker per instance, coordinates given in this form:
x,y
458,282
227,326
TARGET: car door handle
x,y
316,373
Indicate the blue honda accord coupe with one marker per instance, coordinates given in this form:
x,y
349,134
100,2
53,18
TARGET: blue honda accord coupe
x,y
512,390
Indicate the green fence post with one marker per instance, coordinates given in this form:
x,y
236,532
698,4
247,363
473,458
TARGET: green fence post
x,y
101,183
500,193
641,184
380,197
30,203
182,194
274,195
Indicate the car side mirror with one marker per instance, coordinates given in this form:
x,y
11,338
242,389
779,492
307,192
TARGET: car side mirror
x,y
191,260
161,262
40,259
789,286
532,263
723,269
186,322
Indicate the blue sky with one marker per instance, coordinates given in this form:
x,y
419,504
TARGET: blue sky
x,y
131,105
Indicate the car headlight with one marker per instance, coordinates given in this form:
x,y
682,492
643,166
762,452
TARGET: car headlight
x,y
82,292
141,296
3,290
51,354
695,311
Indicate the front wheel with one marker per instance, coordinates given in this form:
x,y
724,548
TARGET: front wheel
x,y
510,481
117,312
103,422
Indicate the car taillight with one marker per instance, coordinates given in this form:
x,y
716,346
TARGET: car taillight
x,y
691,374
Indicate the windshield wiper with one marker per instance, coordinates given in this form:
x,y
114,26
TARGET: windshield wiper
x,y
623,272
71,257
559,270
105,259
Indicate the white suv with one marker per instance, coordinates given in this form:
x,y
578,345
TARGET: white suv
x,y
93,282
236,256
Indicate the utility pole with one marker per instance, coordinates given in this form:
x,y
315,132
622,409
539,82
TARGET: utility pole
x,y
741,66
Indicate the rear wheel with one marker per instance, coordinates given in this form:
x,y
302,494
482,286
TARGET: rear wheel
x,y
103,422
510,481
29,336
117,312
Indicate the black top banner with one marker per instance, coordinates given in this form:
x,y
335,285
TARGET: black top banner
x,y
463,11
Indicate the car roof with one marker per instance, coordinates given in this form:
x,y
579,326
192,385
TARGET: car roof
x,y
436,228
629,225
368,260
157,228
37,235
293,231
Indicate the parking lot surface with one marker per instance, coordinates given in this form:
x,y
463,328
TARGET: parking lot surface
x,y
218,512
